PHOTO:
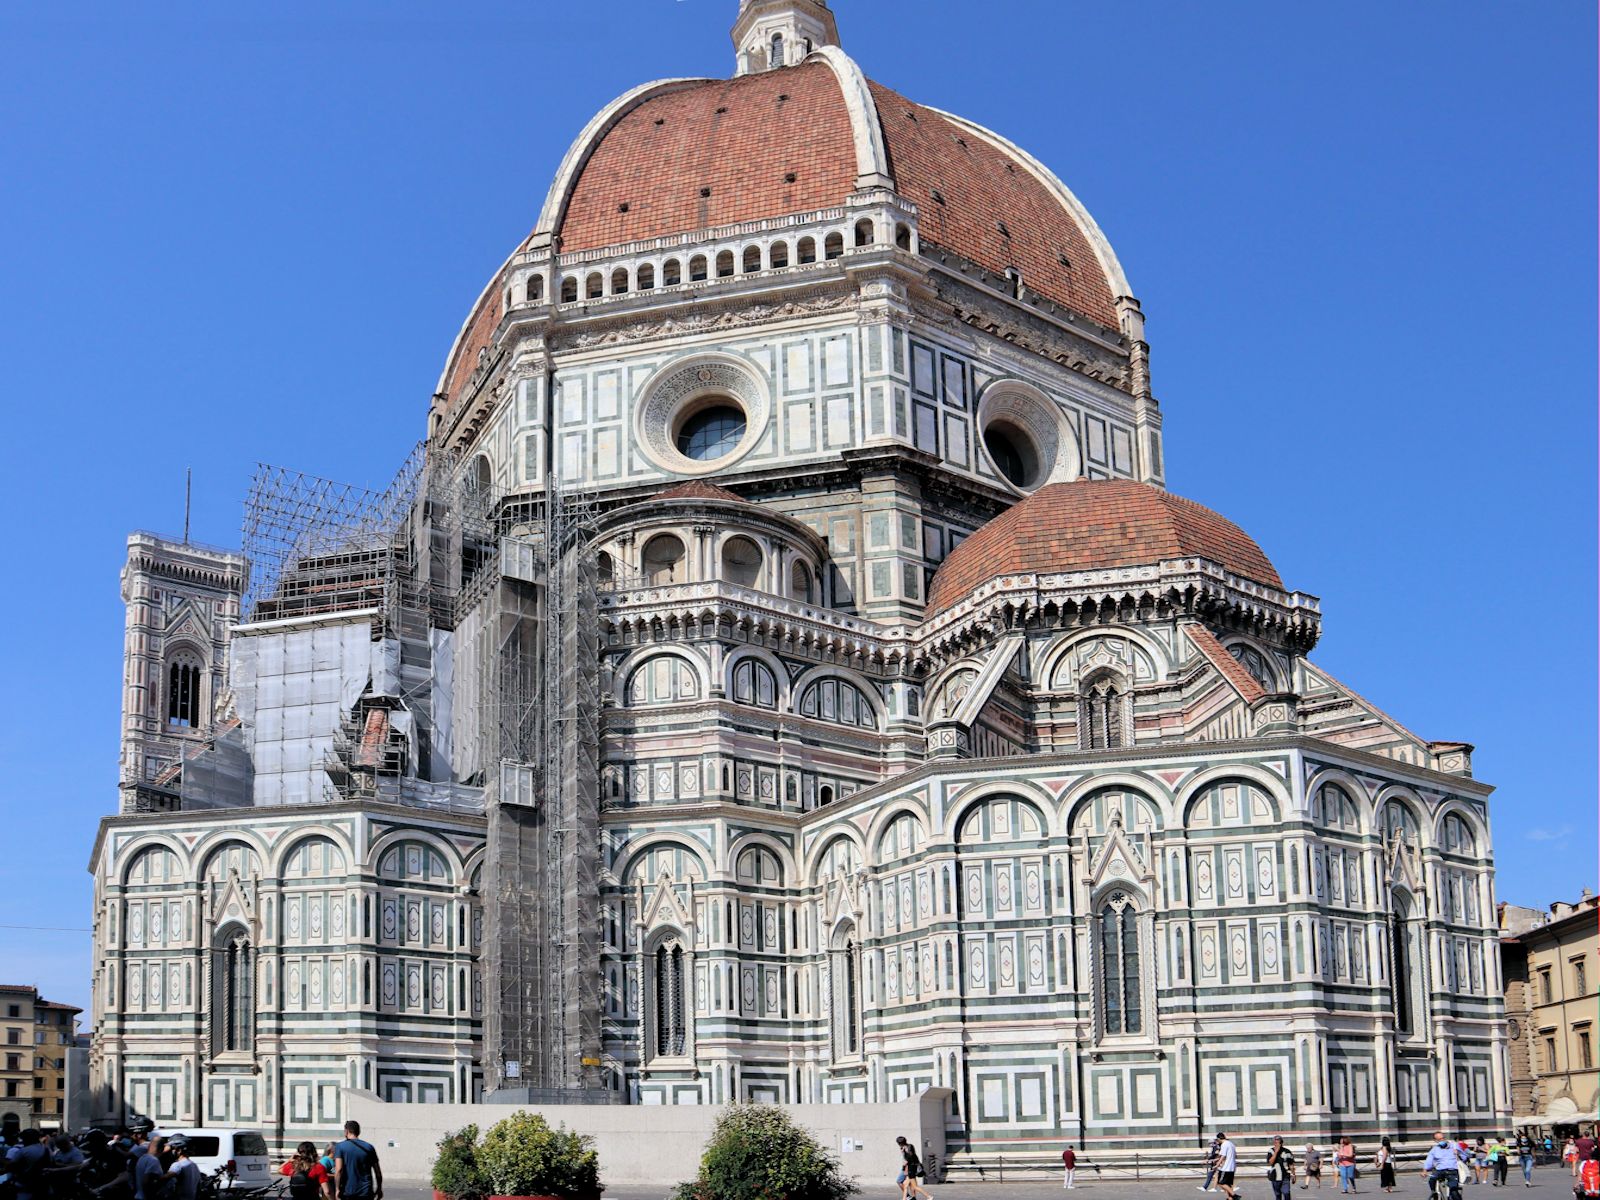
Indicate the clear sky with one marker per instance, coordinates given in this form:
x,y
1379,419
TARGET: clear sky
x,y
1363,233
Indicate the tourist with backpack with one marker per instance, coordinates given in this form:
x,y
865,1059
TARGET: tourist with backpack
x,y
308,1178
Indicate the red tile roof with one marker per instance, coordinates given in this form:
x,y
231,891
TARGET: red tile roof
x,y
738,138
697,489
1092,523
984,187
1229,667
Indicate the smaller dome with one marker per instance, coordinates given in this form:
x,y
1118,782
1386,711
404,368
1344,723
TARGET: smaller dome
x,y
1089,524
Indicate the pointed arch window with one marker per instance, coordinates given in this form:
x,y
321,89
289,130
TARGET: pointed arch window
x,y
183,693
233,1007
845,968
1121,995
1402,965
1102,713
671,1021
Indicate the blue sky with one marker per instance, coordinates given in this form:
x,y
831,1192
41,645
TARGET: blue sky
x,y
1364,236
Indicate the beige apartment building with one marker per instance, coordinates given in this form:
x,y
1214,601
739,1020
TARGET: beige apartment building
x,y
1549,961
35,1035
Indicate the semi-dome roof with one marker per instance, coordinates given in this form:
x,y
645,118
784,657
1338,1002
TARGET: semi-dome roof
x,y
1088,524
682,155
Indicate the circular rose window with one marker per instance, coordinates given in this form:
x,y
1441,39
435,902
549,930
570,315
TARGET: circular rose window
x,y
701,416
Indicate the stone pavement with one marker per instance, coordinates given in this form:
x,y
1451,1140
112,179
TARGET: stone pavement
x,y
1549,1183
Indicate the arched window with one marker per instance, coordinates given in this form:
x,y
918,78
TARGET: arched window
x,y
1122,1010
833,245
671,273
754,683
800,582
664,679
902,236
1402,964
663,559
864,232
741,560
697,268
752,259
605,568
1102,713
183,692
647,277
535,288
569,289
724,264
594,286
824,795
778,255
671,1022
806,250
233,1009
775,55
839,701
845,968
619,282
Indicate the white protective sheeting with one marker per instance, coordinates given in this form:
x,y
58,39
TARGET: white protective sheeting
x,y
292,687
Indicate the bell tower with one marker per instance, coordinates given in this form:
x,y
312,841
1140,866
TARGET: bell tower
x,y
769,34
182,603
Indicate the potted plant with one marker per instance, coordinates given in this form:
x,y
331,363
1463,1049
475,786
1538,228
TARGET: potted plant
x,y
455,1167
757,1152
522,1157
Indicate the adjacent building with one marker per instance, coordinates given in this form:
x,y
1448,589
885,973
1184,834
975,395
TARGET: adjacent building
x,y
1552,1003
781,674
36,1034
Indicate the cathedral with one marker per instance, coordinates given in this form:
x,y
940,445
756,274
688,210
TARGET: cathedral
x,y
781,674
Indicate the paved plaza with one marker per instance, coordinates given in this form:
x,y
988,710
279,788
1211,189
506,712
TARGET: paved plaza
x,y
1549,1183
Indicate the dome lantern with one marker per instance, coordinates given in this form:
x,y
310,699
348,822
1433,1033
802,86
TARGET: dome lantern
x,y
780,33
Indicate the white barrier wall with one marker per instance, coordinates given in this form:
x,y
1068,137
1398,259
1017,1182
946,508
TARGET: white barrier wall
x,y
641,1143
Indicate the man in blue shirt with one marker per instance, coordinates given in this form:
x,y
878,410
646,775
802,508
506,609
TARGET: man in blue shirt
x,y
1443,1162
356,1174
28,1164
149,1176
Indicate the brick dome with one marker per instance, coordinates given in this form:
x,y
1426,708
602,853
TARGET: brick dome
x,y
682,155
1093,523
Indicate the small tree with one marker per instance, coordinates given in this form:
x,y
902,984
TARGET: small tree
x,y
757,1152
455,1167
523,1156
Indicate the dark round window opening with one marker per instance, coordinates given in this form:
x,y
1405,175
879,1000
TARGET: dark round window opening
x,y
1008,457
711,433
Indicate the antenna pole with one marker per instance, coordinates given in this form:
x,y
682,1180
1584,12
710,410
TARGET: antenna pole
x,y
188,479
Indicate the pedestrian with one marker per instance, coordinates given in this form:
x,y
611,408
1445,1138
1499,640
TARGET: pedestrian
x,y
184,1173
1588,1185
28,1161
1586,1146
1569,1155
910,1170
1480,1162
356,1173
1069,1164
149,1179
1280,1169
1227,1165
1211,1163
1525,1158
1313,1165
1344,1157
1500,1155
1443,1163
308,1178
1384,1161
327,1159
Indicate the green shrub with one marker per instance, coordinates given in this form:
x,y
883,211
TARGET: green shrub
x,y
757,1152
455,1167
523,1156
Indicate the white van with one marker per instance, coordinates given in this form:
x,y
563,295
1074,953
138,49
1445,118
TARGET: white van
x,y
243,1151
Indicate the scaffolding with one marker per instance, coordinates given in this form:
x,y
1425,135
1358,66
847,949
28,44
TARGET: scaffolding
x,y
527,638
316,545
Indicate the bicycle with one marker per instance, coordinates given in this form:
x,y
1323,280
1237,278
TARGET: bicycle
x,y
1445,1185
